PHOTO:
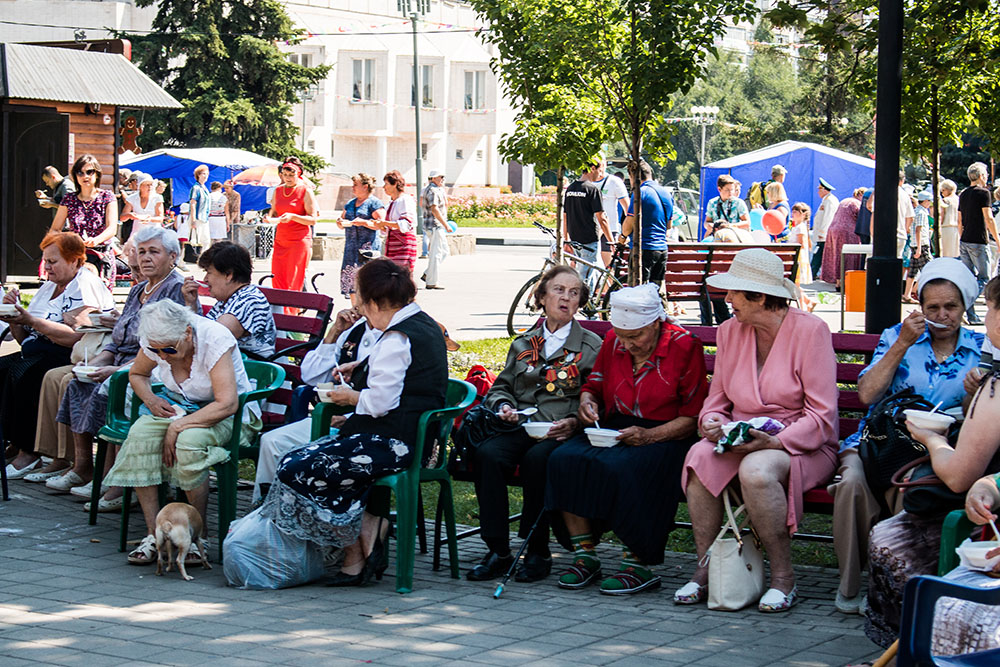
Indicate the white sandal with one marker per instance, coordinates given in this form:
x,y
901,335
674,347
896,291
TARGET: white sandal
x,y
690,593
145,553
774,601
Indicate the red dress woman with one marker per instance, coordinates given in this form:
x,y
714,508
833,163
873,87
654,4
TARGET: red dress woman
x,y
294,211
400,222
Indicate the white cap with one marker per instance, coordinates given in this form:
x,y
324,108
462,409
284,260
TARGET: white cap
x,y
434,174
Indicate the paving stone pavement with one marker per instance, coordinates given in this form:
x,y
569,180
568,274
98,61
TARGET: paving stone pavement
x,y
68,597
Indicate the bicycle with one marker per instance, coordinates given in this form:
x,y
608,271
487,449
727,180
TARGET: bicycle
x,y
523,313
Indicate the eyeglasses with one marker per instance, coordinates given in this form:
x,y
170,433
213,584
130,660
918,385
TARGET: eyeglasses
x,y
87,172
170,350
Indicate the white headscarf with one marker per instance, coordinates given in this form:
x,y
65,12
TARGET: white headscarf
x,y
952,270
635,307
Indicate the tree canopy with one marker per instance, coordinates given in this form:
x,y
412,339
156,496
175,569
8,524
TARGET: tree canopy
x,y
220,59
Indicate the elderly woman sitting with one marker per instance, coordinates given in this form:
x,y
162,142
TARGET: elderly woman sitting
x,y
907,544
186,430
773,361
46,331
324,491
240,306
648,383
83,406
545,369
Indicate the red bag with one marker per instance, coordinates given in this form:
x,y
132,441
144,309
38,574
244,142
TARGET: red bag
x,y
482,379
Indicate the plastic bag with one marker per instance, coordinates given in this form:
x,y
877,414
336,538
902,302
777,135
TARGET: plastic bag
x,y
738,432
258,556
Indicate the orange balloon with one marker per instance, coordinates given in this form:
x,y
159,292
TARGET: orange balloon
x,y
773,223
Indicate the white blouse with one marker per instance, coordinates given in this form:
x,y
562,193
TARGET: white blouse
x,y
403,211
85,290
318,364
211,341
388,361
149,209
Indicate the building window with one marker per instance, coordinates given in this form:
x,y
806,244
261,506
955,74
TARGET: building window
x,y
475,90
458,154
332,148
363,89
423,151
311,144
426,84
303,59
479,156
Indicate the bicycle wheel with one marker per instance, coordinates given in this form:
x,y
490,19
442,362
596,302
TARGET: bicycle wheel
x,y
523,314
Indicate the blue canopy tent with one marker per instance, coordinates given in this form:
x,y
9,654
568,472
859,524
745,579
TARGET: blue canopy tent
x,y
806,164
223,163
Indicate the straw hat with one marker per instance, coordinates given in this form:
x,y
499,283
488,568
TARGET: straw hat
x,y
755,270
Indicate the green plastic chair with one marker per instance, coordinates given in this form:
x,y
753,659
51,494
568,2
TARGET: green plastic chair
x,y
114,432
434,426
267,377
956,528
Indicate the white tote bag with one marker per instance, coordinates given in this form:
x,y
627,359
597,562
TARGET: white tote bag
x,y
735,564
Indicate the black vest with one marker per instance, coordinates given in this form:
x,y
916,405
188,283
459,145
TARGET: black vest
x,y
424,386
349,351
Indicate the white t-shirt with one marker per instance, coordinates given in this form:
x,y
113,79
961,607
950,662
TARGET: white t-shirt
x,y
150,208
949,210
904,210
85,290
612,189
212,340
403,211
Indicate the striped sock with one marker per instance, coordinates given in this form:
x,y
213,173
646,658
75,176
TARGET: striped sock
x,y
584,556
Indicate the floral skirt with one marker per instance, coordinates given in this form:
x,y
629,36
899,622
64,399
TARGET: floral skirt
x,y
83,407
356,239
320,491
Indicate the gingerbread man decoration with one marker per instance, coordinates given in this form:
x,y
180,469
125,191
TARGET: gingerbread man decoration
x,y
130,132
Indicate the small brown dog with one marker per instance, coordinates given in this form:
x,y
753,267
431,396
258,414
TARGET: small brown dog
x,y
178,525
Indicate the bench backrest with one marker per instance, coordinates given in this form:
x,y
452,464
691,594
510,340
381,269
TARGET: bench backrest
x,y
859,346
689,264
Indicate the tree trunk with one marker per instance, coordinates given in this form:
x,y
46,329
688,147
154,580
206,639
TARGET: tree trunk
x,y
560,176
935,166
635,265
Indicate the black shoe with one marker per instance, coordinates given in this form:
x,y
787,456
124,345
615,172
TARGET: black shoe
x,y
341,580
378,559
533,568
493,566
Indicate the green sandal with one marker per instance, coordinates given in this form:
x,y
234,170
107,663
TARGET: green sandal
x,y
579,575
628,582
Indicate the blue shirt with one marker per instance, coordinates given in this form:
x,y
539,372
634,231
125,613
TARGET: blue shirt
x,y
920,370
352,211
657,209
200,195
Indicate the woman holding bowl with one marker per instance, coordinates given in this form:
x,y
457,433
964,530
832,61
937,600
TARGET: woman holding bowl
x,y
545,369
400,222
648,384
361,215
182,433
46,332
772,361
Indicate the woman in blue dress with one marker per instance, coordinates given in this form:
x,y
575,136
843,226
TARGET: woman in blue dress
x,y
359,232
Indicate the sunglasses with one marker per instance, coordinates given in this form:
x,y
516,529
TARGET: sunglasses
x,y
170,350
87,172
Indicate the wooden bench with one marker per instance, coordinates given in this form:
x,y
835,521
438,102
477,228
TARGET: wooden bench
x,y
689,264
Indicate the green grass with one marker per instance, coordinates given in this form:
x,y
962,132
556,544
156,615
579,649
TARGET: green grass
x,y
500,222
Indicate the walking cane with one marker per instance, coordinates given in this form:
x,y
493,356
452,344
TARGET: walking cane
x,y
499,591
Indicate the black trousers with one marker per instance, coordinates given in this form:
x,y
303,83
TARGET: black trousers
x,y
817,259
654,266
716,305
21,376
496,461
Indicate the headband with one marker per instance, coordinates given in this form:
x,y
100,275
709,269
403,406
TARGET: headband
x,y
293,166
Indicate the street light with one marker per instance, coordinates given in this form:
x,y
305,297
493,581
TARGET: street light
x,y
307,94
704,116
411,8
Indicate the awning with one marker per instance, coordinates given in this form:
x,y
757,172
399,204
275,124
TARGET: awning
x,y
32,72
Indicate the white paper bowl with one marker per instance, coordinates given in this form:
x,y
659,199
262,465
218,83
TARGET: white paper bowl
x,y
537,430
932,421
8,310
975,554
95,319
325,391
602,437
178,412
82,373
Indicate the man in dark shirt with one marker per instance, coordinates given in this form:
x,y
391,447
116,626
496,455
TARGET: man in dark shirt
x,y
583,211
975,219
59,185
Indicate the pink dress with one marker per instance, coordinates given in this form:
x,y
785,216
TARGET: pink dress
x,y
797,386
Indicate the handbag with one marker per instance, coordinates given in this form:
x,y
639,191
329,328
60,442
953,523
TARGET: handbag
x,y
735,565
924,494
886,444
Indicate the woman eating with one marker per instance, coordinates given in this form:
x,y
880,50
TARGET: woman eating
x,y
182,433
907,544
400,222
648,383
772,361
46,332
360,215
83,407
239,305
294,211
545,369
143,207
92,213
324,491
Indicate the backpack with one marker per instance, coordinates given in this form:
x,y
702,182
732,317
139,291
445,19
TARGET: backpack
x,y
475,425
756,197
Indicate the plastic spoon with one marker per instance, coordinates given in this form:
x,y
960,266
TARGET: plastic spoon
x,y
936,325
936,407
527,412
995,531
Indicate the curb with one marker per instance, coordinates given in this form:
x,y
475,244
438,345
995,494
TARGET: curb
x,y
538,243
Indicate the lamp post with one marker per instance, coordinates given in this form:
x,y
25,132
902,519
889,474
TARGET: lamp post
x,y
307,94
413,9
704,116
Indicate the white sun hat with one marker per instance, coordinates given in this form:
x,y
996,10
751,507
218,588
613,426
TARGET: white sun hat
x,y
755,270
